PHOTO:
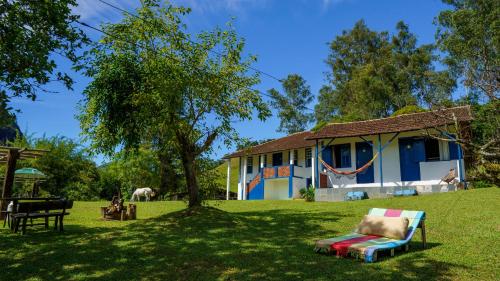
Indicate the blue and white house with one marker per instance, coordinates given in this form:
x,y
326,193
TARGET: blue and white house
x,y
380,158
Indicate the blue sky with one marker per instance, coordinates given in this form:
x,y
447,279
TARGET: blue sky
x,y
288,36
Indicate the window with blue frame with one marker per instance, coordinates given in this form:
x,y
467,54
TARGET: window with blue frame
x,y
249,165
295,157
277,159
308,157
431,149
342,153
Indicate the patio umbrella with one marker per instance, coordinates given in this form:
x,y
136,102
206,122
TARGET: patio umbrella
x,y
31,173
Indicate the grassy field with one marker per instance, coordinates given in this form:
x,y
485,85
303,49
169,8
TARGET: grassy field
x,y
264,240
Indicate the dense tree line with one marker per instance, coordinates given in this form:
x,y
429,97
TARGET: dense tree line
x,y
160,97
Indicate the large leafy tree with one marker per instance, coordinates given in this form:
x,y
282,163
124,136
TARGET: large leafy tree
x,y
373,74
31,32
469,34
153,83
292,107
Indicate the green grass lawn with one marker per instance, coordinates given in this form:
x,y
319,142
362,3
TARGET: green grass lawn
x,y
257,240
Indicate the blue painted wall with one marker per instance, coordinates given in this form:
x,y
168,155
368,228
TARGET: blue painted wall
x,y
257,193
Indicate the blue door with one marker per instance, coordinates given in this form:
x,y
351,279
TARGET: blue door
x,y
364,153
326,155
411,153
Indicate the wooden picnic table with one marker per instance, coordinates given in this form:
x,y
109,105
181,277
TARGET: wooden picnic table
x,y
7,214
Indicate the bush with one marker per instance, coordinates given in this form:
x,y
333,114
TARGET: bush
x,y
480,184
307,194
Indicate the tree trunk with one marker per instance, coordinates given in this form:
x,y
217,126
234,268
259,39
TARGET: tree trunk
x,y
188,162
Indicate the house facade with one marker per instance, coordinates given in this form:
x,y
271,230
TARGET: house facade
x,y
379,157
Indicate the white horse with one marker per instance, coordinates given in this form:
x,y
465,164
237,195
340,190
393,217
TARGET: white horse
x,y
140,192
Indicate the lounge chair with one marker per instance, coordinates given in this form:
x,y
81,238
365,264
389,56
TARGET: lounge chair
x,y
366,246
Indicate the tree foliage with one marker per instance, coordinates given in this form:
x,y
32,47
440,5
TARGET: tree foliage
x,y
129,171
69,169
152,83
31,32
292,107
469,34
408,110
373,74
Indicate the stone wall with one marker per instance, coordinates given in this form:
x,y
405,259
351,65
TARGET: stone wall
x,y
338,194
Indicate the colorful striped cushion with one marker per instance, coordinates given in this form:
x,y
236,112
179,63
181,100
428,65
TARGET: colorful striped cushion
x,y
366,245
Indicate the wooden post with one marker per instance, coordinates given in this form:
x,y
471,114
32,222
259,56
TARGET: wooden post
x,y
8,181
424,239
228,179
380,161
132,211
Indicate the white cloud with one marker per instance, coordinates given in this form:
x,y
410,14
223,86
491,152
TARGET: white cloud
x,y
96,12
232,6
327,4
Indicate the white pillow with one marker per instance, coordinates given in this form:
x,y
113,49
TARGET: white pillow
x,y
390,227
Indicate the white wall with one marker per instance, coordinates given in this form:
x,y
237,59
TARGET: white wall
x,y
429,172
298,184
437,169
276,189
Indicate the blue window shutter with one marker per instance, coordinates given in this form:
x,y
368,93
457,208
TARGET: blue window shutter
x,y
250,165
453,147
326,155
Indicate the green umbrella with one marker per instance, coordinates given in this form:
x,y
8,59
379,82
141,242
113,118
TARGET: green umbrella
x,y
30,173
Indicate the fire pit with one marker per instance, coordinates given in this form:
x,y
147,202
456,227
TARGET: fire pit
x,y
116,210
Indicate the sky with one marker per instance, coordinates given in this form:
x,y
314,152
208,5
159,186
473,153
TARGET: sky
x,y
287,36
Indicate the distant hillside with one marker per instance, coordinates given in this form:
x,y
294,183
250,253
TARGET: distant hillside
x,y
222,170
9,133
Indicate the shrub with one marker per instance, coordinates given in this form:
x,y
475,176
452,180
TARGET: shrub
x,y
307,194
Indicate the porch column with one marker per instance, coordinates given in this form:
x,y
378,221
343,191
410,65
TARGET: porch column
x,y
240,177
244,182
380,161
316,164
313,170
291,157
228,180
459,164
261,161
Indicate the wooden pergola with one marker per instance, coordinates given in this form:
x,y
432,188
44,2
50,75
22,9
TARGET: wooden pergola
x,y
10,155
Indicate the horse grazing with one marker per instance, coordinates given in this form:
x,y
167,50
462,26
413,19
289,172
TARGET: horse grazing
x,y
142,192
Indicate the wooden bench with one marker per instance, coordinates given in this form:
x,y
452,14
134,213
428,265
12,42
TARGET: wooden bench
x,y
35,210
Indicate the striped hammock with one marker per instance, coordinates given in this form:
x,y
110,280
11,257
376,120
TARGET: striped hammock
x,y
359,170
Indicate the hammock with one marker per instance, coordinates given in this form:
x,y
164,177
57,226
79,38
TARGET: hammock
x,y
359,170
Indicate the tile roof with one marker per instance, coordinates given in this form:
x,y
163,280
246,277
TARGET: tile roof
x,y
293,141
401,123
